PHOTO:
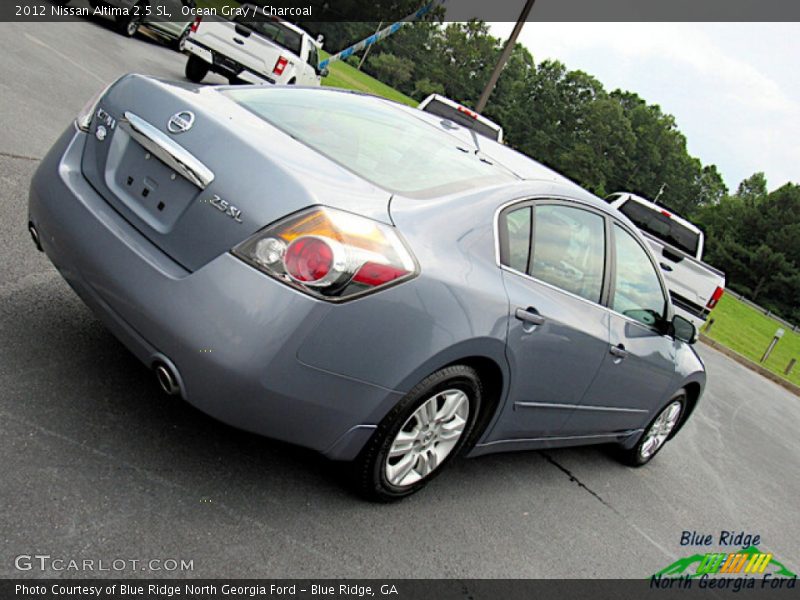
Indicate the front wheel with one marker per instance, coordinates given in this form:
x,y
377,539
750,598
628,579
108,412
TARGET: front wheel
x,y
196,69
657,433
420,435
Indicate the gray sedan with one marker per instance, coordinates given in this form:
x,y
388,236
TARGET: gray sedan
x,y
361,278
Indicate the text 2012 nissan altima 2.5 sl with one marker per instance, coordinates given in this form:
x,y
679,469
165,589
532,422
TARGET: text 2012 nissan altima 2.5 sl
x,y
362,278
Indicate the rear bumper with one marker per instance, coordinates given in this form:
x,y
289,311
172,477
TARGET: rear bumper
x,y
231,332
225,66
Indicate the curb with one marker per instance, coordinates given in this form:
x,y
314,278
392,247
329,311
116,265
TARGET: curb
x,y
753,366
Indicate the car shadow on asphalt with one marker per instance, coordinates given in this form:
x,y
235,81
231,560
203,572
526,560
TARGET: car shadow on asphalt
x,y
107,396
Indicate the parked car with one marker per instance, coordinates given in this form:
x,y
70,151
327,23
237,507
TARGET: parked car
x,y
441,106
695,287
330,269
150,15
253,51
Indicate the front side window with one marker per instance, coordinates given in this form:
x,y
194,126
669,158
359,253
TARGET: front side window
x,y
569,249
637,288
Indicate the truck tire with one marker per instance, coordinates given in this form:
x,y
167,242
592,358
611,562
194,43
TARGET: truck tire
x,y
196,69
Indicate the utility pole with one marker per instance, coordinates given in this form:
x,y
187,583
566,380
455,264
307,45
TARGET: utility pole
x,y
498,68
364,56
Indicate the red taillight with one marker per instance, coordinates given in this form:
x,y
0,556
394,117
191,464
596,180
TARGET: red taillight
x,y
373,274
280,65
308,259
715,297
666,214
196,25
468,112
330,254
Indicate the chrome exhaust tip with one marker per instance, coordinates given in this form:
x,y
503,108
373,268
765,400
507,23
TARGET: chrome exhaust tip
x,y
167,380
35,236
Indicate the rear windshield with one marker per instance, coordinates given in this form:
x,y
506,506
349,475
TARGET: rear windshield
x,y
373,138
661,226
275,32
441,109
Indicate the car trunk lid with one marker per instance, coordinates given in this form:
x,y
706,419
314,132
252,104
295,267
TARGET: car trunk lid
x,y
214,177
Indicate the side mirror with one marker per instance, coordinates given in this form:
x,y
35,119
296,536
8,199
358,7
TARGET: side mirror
x,y
324,72
683,329
320,38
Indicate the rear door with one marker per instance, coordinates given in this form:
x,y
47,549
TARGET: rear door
x,y
639,365
553,256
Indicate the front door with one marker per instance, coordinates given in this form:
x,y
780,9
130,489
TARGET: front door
x,y
639,364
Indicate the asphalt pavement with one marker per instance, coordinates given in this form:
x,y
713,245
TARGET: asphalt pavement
x,y
98,464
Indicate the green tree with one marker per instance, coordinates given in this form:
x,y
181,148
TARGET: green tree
x,y
390,68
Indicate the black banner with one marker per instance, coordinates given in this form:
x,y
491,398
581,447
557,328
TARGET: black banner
x,y
403,589
388,11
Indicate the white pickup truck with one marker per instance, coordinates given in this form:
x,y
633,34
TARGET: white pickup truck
x,y
248,50
695,287
444,107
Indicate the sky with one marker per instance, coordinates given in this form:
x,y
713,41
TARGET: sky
x,y
733,88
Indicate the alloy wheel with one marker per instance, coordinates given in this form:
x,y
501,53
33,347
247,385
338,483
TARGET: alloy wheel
x,y
660,430
427,437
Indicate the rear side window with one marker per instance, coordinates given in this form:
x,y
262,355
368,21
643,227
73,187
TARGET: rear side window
x,y
567,249
637,289
661,226
518,228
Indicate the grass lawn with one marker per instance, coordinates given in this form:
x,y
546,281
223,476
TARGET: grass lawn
x,y
748,332
345,76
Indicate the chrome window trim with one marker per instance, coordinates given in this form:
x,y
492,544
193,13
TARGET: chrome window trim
x,y
578,407
611,220
167,150
556,198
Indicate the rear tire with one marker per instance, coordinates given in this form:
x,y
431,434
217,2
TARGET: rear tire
x,y
420,435
657,433
196,69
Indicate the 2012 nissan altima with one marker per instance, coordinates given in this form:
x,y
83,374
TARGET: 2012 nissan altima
x,y
362,278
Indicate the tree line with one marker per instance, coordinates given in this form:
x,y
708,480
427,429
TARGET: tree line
x,y
606,141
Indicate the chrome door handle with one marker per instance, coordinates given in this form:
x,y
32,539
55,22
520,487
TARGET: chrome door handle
x,y
618,351
527,315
